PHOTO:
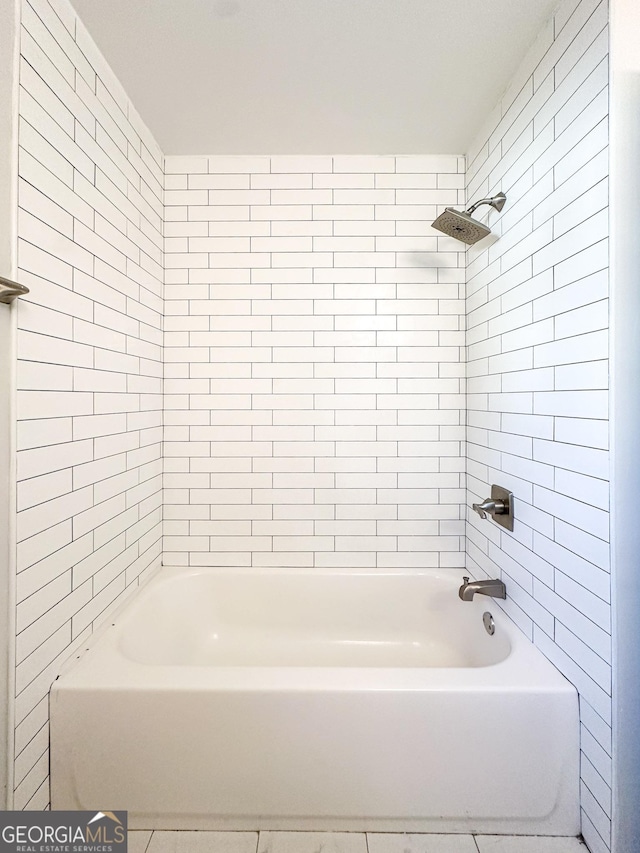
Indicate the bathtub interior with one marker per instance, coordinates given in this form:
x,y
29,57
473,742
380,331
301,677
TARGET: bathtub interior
x,y
320,619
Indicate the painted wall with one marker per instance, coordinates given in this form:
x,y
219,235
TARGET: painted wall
x,y
538,368
625,368
90,367
314,362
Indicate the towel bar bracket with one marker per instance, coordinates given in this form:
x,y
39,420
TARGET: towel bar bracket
x,y
10,290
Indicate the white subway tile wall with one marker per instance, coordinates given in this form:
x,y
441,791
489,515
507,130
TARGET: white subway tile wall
x,y
314,362
537,319
89,427
314,392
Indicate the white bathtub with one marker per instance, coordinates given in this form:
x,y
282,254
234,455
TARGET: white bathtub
x,y
279,699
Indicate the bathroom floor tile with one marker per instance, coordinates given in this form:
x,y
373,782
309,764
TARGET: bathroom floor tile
x,y
528,844
388,842
312,842
138,840
203,842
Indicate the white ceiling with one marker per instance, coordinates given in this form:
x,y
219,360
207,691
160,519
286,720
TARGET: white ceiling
x,y
314,76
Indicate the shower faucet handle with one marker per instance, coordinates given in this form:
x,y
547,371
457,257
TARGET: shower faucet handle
x,y
479,509
490,506
499,506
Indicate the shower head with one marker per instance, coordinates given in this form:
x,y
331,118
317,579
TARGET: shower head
x,y
462,226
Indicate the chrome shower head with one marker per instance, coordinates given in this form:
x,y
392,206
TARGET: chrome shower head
x,y
462,226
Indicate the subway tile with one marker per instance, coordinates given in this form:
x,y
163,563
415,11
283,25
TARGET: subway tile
x,y
281,181
572,296
592,838
430,164
570,243
569,562
42,108
588,147
589,489
585,685
240,164
38,490
211,213
174,165
572,404
32,636
579,210
59,78
579,348
336,404
581,140
340,212
357,163
599,756
573,457
590,86
583,431
298,228
587,318
569,287
593,375
582,654
127,225
40,149
577,513
596,740
597,816
599,788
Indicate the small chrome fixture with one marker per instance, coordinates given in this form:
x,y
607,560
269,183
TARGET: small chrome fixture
x,y
462,226
489,624
499,506
494,588
10,290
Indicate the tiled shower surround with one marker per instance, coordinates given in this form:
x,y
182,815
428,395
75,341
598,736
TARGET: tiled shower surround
x,y
89,343
537,336
314,363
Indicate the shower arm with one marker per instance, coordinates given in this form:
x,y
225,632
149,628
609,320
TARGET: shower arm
x,y
497,202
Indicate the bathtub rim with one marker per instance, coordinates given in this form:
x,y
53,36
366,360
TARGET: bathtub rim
x,y
101,664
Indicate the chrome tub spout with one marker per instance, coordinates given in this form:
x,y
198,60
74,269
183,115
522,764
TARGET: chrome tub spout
x,y
494,588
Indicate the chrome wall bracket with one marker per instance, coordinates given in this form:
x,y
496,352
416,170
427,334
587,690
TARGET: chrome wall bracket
x,y
10,290
499,506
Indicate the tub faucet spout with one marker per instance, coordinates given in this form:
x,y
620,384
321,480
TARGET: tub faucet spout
x,y
494,588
